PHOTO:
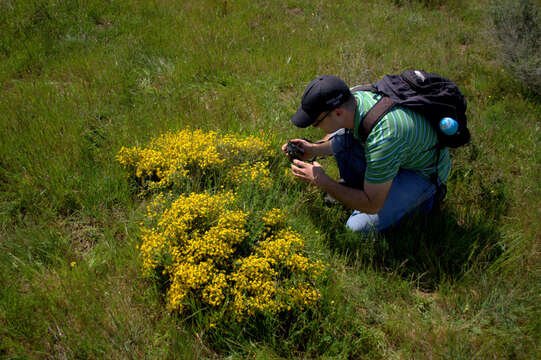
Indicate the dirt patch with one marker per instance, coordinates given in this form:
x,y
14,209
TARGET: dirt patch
x,y
295,11
83,233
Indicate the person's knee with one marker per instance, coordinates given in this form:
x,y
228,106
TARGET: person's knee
x,y
338,141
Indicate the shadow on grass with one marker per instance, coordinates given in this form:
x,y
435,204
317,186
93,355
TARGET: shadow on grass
x,y
428,249
437,248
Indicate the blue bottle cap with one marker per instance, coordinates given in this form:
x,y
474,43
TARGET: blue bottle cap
x,y
448,126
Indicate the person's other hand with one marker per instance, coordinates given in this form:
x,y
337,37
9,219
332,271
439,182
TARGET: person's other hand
x,y
310,173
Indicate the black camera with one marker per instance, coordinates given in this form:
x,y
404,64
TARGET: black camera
x,y
294,151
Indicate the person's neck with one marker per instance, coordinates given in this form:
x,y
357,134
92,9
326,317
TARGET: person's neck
x,y
349,122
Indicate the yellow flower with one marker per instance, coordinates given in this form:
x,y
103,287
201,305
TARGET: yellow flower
x,y
173,157
254,173
201,242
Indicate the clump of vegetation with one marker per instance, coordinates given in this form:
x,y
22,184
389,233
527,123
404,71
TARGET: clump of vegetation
x,y
517,27
175,159
200,244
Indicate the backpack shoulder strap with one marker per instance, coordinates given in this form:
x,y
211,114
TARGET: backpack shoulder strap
x,y
377,111
368,87
375,114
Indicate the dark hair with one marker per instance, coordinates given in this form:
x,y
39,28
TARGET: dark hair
x,y
349,104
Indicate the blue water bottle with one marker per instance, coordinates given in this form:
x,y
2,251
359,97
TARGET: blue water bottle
x,y
448,126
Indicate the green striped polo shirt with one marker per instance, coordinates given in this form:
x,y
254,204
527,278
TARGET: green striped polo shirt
x,y
401,139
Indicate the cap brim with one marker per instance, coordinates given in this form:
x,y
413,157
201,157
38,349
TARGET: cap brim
x,y
301,119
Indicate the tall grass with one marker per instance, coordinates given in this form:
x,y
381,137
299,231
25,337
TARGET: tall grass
x,y
517,28
80,79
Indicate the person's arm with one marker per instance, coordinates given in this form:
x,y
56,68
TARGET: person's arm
x,y
370,200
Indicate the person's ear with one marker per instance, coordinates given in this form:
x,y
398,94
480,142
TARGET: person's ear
x,y
339,111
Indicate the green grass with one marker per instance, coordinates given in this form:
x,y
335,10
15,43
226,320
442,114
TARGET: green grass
x,y
80,79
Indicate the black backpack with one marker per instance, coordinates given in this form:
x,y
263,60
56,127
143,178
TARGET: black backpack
x,y
429,94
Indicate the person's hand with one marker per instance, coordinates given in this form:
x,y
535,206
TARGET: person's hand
x,y
311,173
306,146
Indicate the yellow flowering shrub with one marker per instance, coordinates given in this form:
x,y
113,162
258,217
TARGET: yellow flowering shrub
x,y
273,220
253,173
174,229
202,244
277,276
173,158
194,240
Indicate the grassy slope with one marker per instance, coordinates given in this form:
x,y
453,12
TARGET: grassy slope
x,y
78,81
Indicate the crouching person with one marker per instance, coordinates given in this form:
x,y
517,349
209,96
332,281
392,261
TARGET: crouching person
x,y
386,174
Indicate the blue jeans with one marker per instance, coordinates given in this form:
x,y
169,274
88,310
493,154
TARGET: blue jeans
x,y
409,191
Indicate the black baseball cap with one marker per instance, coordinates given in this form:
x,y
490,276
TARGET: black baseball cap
x,y
325,93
